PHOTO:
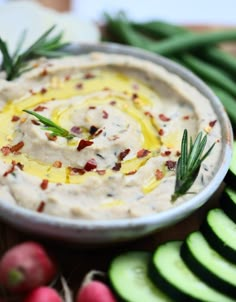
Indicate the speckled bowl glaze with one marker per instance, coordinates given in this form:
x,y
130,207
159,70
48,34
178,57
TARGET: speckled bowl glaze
x,y
87,232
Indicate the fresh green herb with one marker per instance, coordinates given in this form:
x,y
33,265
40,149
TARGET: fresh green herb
x,y
51,126
189,163
16,64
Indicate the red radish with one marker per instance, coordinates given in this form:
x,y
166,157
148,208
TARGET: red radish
x,y
94,291
26,266
43,294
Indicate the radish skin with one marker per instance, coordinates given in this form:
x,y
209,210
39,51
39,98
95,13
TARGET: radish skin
x,y
95,291
43,294
26,266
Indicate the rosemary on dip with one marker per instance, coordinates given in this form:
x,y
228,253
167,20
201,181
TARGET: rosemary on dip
x,y
16,64
189,163
51,126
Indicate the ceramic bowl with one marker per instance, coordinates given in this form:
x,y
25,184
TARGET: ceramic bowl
x,y
87,232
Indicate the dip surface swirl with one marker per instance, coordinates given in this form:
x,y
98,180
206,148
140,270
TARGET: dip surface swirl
x,y
127,117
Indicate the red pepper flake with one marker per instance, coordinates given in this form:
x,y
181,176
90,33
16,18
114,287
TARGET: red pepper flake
x,y
6,150
89,75
15,118
43,90
20,166
112,103
218,140
75,129
159,174
17,147
101,172
67,77
147,113
41,206
92,107
79,86
123,154
131,172
83,144
35,122
177,153
117,167
11,169
51,137
44,72
142,153
186,117
90,165
74,171
166,153
40,108
161,132
93,129
212,123
44,184
164,118
98,132
104,114
170,164
57,164
134,96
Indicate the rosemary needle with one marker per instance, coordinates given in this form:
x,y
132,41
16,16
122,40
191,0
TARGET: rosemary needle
x,y
189,163
49,125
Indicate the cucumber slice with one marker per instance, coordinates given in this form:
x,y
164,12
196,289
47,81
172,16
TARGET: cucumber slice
x,y
208,265
228,202
128,277
230,177
220,232
173,276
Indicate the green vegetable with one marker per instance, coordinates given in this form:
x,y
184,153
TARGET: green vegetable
x,y
189,163
16,64
51,126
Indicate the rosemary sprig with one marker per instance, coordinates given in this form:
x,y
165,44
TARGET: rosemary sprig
x,y
51,126
189,163
16,64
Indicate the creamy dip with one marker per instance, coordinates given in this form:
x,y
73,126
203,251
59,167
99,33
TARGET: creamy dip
x,y
127,118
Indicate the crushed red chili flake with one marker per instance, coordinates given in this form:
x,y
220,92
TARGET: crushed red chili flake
x,y
92,107
186,117
89,75
74,171
123,154
15,118
117,167
170,164
177,153
35,122
166,153
17,147
93,129
44,72
98,132
218,140
51,137
161,132
101,172
104,114
6,150
10,170
40,108
83,144
134,96
90,165
44,184
131,172
212,123
143,153
164,118
20,166
67,77
79,86
57,164
112,103
76,129
147,113
159,174
43,90
41,206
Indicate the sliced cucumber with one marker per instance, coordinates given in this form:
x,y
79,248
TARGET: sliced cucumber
x,y
173,276
129,279
208,265
231,175
220,232
228,202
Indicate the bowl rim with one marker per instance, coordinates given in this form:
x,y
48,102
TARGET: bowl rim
x,y
10,212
